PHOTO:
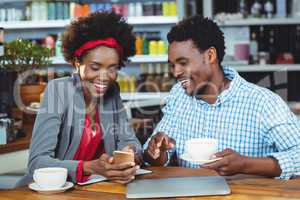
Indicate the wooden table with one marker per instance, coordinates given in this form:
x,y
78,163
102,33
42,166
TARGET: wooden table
x,y
242,187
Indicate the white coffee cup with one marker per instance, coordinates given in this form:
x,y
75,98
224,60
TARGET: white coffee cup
x,y
201,148
50,177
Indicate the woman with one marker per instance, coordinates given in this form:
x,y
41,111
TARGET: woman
x,y
81,120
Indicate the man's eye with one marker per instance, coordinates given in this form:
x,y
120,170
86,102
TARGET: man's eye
x,y
183,63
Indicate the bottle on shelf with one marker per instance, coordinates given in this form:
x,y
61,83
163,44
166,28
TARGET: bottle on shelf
x,y
66,13
142,78
271,45
43,11
85,9
166,9
253,49
269,9
72,8
173,8
148,8
124,83
117,8
150,80
120,83
125,10
131,10
153,47
281,6
261,39
51,10
158,76
256,9
295,8
167,81
59,14
263,58
28,11
132,84
297,45
191,7
138,9
243,8
108,6
161,47
145,45
139,45
35,11
158,9
77,11
58,52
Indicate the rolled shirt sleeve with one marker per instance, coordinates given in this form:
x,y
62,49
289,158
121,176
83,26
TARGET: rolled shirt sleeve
x,y
282,130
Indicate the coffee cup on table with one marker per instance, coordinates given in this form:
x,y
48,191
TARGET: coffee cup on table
x,y
50,177
201,148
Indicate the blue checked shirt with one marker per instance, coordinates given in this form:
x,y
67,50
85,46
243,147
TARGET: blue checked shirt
x,y
246,118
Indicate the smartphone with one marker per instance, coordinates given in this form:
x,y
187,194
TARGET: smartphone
x,y
123,156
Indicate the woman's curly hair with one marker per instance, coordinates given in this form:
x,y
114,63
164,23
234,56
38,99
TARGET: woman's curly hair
x,y
95,26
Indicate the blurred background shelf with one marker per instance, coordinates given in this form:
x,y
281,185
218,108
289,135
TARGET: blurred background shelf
x,y
146,20
240,66
267,68
134,59
34,24
260,22
152,20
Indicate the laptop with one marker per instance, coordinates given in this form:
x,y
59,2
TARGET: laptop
x,y
178,187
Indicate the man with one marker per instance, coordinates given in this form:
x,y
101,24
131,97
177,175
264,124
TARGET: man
x,y
257,132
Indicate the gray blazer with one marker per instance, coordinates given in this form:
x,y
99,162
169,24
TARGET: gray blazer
x,y
60,121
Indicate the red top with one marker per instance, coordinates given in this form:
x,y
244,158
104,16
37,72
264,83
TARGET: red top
x,y
91,145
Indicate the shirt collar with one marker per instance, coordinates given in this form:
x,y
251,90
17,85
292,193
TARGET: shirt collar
x,y
235,79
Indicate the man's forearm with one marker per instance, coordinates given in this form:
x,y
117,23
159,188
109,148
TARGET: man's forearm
x,y
262,166
160,161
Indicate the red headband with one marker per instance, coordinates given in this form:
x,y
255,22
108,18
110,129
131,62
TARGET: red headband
x,y
109,42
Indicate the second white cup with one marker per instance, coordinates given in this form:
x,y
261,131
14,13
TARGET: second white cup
x,y
201,148
50,177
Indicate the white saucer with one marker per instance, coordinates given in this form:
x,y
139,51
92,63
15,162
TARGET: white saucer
x,y
37,188
187,157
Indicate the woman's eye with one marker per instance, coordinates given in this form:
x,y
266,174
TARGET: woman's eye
x,y
94,67
113,69
183,63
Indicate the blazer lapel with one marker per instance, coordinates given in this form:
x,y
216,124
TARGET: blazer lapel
x,y
79,110
106,109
